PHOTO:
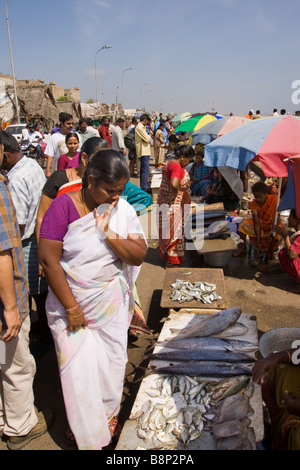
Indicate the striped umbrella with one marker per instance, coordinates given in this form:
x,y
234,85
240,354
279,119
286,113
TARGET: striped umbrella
x,y
193,124
215,129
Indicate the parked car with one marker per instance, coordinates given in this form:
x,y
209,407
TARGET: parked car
x,y
16,131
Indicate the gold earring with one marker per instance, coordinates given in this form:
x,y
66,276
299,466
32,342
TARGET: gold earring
x,y
89,186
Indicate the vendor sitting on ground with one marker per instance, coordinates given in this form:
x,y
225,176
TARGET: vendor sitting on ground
x,y
201,176
222,192
259,229
289,255
280,380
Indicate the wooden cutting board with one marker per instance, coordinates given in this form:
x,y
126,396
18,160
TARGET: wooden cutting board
x,y
212,275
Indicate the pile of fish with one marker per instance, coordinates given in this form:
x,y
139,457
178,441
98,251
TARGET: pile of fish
x,y
186,291
163,422
196,352
193,359
231,426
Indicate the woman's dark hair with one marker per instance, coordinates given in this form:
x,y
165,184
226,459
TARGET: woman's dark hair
x,y
260,187
106,166
293,213
92,146
71,134
184,151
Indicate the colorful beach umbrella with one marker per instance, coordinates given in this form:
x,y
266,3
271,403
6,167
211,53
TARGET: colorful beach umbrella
x,y
215,129
179,118
271,141
193,124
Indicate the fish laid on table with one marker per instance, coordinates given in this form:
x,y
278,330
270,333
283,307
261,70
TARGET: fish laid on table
x,y
226,387
237,442
186,291
231,428
209,344
186,355
233,407
204,369
163,424
237,329
211,325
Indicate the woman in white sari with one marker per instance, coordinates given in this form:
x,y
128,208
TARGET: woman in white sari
x,y
91,248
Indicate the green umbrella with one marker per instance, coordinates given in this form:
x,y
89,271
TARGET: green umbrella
x,y
194,123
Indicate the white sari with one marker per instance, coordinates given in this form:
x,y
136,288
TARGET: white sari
x,y
92,360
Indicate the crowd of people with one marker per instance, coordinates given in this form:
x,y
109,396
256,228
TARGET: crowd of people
x,y
71,239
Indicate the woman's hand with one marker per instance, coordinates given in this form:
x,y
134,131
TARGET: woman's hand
x,y
263,368
280,230
291,402
102,221
76,319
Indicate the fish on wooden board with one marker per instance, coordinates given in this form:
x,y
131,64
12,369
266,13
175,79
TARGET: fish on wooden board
x,y
211,325
200,368
210,343
186,355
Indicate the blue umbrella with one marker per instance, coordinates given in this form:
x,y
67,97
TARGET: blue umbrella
x,y
270,140
209,132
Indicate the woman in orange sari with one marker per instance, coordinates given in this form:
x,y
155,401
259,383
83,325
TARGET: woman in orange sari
x,y
259,229
173,200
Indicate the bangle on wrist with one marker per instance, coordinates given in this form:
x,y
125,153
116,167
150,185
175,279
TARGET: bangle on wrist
x,y
69,310
290,359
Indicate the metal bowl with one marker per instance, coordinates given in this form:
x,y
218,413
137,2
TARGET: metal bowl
x,y
217,259
278,339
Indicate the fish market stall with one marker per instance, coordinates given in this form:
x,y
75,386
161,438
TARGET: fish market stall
x,y
197,295
217,408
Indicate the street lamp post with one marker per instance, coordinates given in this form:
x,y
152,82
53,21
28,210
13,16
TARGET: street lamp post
x,y
12,65
141,103
148,91
101,49
122,84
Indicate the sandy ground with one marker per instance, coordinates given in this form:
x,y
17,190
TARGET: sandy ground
x,y
272,298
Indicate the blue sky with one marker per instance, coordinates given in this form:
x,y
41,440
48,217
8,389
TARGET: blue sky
x,y
233,54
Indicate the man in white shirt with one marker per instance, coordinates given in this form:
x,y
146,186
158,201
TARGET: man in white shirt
x,y
91,128
57,145
143,149
33,136
117,138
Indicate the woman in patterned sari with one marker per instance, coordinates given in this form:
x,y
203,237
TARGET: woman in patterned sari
x,y
173,204
279,376
91,248
159,146
259,229
201,176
